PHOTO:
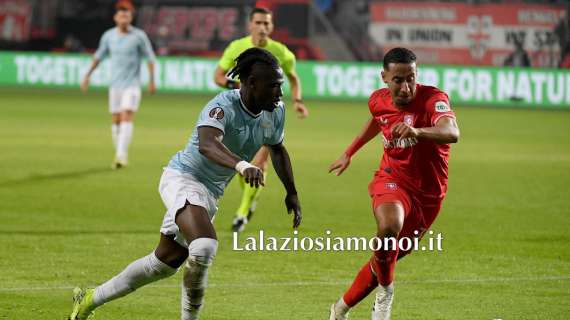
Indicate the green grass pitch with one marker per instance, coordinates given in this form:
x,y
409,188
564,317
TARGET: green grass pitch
x,y
67,219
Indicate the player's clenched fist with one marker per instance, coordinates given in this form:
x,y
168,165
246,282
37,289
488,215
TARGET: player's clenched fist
x,y
401,131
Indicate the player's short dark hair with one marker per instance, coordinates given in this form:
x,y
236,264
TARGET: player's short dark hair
x,y
250,57
398,55
259,10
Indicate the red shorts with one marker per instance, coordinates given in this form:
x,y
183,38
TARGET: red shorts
x,y
420,212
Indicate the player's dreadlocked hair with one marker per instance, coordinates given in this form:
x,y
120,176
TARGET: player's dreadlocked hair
x,y
247,59
399,55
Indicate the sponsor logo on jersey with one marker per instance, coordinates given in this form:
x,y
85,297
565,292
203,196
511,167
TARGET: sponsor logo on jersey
x,y
399,143
383,121
216,113
442,106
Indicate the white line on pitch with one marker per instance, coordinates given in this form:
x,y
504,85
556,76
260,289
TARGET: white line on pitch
x,y
317,283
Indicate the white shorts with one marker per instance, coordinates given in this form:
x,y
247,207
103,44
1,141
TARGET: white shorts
x,y
175,189
124,99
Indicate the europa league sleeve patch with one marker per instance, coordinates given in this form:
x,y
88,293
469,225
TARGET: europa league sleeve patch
x,y
442,106
216,113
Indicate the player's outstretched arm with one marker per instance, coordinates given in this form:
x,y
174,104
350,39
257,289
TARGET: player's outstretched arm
x,y
210,146
282,165
85,81
369,131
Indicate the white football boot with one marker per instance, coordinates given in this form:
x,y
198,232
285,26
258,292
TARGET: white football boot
x,y
383,302
334,316
340,315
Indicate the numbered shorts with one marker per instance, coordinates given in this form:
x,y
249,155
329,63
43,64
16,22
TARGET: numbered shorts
x,y
420,212
177,188
127,99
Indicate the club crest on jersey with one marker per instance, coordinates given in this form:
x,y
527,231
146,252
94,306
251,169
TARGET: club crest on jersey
x,y
442,106
391,185
217,113
266,125
409,119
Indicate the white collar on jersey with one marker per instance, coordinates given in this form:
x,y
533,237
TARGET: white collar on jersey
x,y
245,108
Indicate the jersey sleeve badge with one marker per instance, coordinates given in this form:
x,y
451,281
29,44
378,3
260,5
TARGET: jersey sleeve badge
x,y
216,113
442,106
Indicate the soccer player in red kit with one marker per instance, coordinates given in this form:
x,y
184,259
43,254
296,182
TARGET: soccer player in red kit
x,y
417,126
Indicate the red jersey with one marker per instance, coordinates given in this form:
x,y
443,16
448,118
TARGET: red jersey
x,y
417,165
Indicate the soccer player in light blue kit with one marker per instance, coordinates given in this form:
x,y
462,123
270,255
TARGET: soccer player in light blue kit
x,y
230,130
127,46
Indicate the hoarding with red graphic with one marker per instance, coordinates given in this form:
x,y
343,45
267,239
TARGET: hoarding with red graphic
x,y
15,20
457,33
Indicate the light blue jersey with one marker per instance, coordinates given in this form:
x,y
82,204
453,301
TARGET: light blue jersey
x,y
244,134
127,51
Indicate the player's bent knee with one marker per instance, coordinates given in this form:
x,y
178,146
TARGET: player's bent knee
x,y
390,218
170,252
202,250
201,254
126,116
116,118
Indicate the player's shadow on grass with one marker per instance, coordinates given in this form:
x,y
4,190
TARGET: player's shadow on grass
x,y
34,178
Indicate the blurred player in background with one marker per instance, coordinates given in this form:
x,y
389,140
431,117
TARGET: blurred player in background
x,y
230,130
417,126
127,46
260,27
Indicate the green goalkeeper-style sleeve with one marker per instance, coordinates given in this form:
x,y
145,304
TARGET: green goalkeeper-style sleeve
x,y
287,60
229,55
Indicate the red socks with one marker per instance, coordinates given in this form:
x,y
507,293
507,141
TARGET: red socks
x,y
383,262
364,283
